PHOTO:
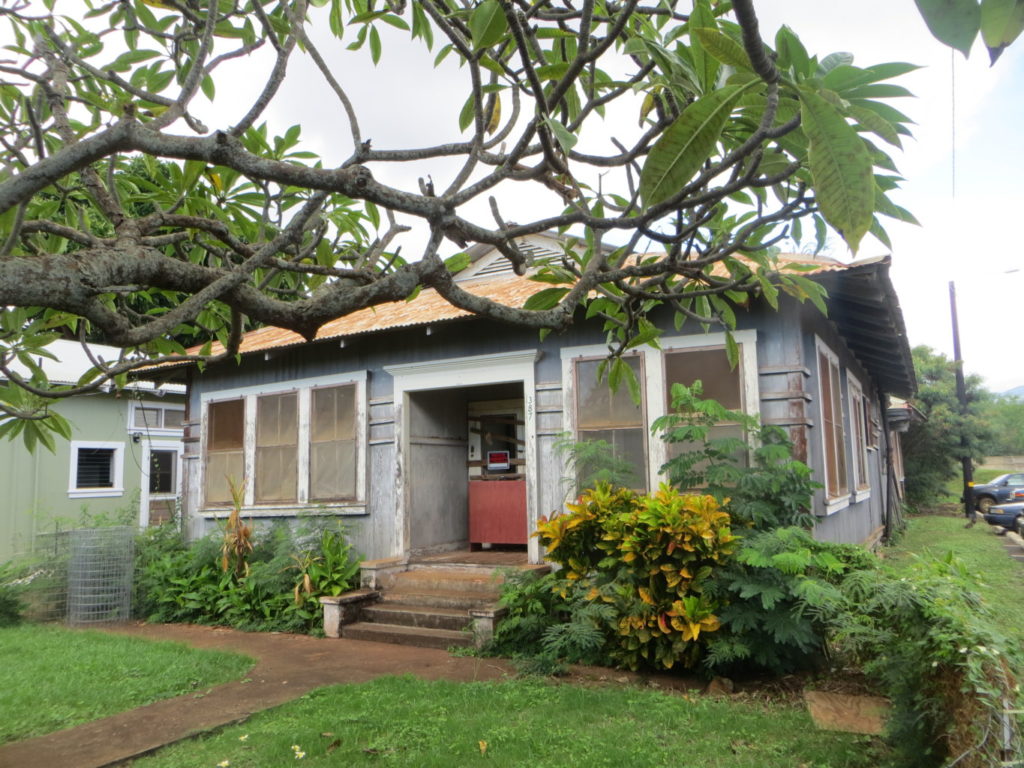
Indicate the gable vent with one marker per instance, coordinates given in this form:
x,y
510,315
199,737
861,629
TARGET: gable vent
x,y
494,264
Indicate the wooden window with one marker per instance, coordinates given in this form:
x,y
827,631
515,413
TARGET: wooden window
x,y
719,381
332,449
833,437
612,417
277,443
860,429
225,443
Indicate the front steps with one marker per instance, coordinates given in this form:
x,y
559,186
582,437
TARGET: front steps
x,y
430,606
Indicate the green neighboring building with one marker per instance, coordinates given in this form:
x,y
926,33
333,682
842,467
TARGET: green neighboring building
x,y
123,459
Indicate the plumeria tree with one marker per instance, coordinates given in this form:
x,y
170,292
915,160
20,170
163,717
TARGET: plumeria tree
x,y
134,208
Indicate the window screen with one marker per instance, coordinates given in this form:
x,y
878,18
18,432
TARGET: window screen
x,y
276,447
224,444
836,483
332,451
612,416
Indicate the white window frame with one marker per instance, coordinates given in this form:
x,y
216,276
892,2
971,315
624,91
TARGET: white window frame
x,y
304,389
146,498
834,501
861,486
117,470
155,431
653,388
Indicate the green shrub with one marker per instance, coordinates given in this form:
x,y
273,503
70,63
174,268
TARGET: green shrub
x,y
648,557
277,589
11,603
549,623
928,639
779,593
773,491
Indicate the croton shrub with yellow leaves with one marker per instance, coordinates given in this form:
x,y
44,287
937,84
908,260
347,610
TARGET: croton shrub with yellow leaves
x,y
648,556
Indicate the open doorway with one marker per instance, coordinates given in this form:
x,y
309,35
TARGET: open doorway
x,y
466,451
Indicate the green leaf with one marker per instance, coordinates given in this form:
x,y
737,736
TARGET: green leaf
x,y
488,24
792,54
705,66
458,262
840,166
565,138
723,48
545,299
375,46
953,22
685,145
875,123
467,114
833,60
1002,21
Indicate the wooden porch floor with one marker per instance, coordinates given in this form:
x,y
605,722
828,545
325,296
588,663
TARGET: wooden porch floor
x,y
493,558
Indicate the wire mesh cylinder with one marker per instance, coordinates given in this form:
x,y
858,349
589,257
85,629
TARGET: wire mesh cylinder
x,y
100,575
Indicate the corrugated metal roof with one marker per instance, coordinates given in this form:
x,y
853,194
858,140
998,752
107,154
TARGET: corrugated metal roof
x,y
429,307
861,301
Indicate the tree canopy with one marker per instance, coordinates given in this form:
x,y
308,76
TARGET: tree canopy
x,y
135,209
933,447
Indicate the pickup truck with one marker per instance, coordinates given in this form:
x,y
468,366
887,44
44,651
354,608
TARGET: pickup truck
x,y
998,491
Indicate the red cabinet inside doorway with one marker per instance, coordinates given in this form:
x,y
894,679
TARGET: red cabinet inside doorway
x,y
497,512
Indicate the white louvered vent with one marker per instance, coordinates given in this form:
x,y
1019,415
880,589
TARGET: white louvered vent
x,y
494,264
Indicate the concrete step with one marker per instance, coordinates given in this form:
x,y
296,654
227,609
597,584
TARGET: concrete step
x,y
404,614
421,637
440,598
475,581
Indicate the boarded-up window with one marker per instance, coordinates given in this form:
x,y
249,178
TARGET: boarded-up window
x,y
612,416
719,381
834,439
332,449
224,445
277,446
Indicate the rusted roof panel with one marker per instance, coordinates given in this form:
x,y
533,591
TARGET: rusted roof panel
x,y
429,307
862,303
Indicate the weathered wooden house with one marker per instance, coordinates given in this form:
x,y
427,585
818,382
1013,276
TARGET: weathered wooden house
x,y
427,429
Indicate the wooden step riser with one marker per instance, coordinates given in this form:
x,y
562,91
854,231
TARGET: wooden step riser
x,y
423,638
460,600
432,579
385,614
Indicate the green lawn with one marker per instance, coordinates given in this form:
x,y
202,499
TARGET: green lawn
x,y
55,677
1001,579
416,724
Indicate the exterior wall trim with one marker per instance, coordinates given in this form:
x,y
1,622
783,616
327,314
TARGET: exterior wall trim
x,y
454,373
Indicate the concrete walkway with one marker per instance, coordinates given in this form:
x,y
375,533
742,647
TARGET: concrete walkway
x,y
287,667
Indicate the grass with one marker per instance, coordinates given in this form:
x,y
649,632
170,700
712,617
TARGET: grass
x,y
55,677
1000,578
403,721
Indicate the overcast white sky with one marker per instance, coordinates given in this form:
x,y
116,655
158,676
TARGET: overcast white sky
x,y
969,237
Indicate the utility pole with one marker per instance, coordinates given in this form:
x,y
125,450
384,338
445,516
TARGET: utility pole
x,y
961,395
